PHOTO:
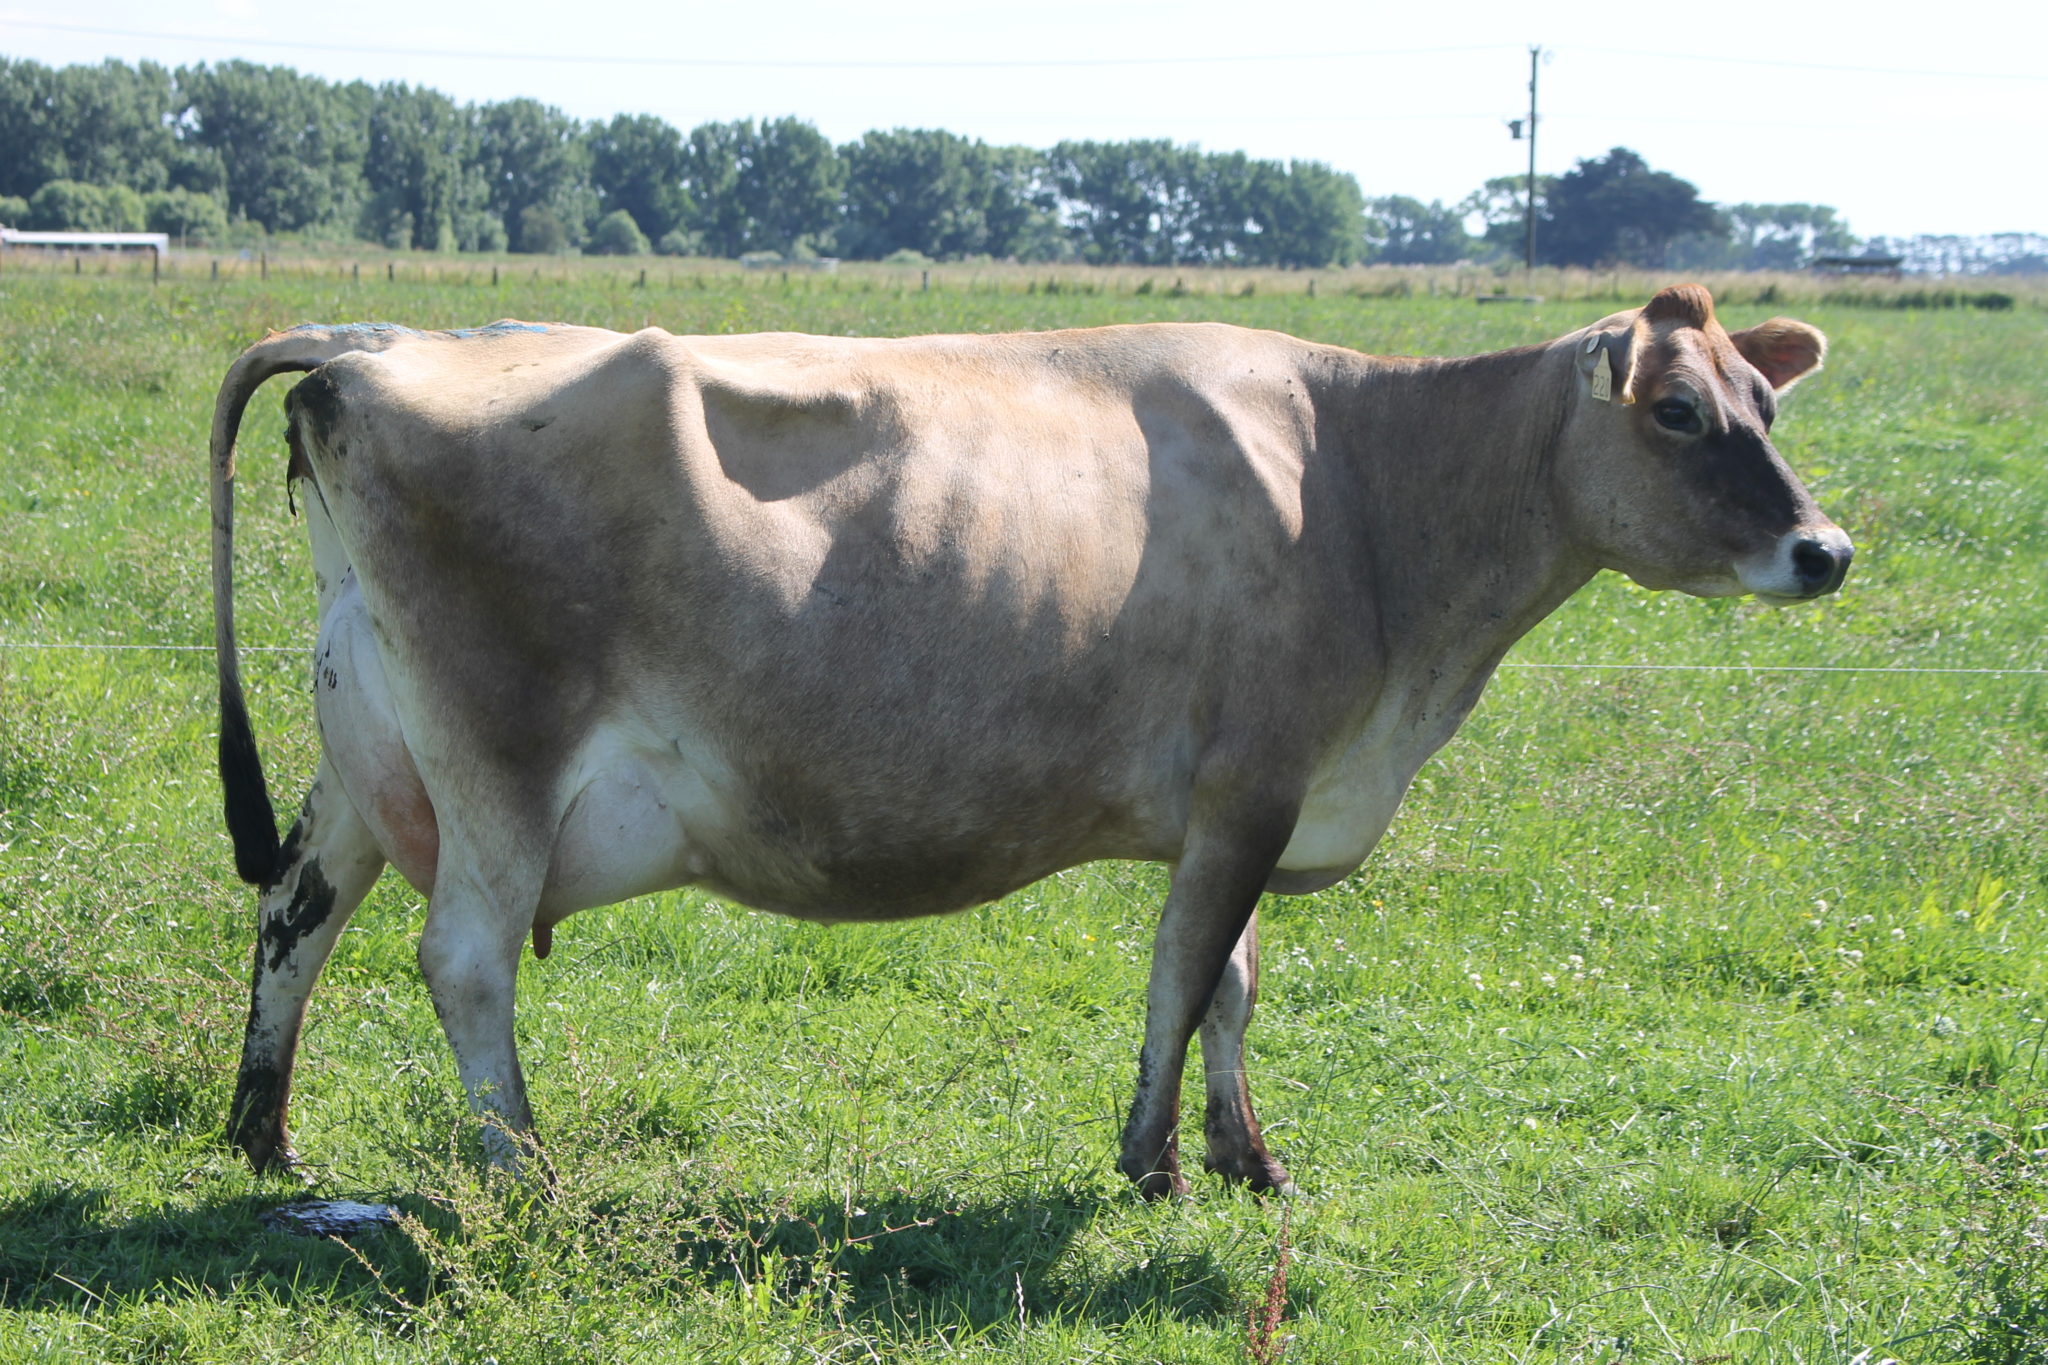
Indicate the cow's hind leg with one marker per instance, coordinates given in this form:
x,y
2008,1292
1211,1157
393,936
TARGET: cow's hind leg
x,y
1215,889
327,865
1237,1150
469,953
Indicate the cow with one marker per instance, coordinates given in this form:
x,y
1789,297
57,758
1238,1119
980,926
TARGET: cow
x,y
862,629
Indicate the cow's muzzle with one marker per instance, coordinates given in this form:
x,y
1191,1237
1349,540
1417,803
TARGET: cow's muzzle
x,y
1806,563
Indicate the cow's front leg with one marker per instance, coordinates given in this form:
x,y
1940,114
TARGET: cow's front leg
x,y
1237,1149
1215,889
469,954
328,864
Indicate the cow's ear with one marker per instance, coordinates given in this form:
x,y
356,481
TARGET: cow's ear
x,y
1606,364
1784,350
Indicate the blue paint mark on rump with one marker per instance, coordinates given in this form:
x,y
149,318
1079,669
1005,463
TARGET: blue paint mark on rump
x,y
366,328
498,328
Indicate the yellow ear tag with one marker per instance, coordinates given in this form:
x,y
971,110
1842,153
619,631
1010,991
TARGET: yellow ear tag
x,y
1603,379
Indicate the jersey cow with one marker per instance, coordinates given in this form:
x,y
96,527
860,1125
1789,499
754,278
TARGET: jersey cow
x,y
863,629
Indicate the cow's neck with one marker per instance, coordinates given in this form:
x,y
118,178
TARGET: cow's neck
x,y
1466,548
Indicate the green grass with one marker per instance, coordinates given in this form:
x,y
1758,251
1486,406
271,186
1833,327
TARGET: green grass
x,y
1683,1016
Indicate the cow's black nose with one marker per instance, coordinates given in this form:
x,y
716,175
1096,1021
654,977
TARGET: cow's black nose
x,y
1820,566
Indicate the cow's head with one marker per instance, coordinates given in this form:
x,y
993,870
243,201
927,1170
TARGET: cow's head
x,y
1667,464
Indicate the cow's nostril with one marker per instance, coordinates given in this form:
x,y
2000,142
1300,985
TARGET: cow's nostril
x,y
1815,563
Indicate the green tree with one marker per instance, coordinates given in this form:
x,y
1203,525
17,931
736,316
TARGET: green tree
x,y
616,234
714,158
1154,203
1785,236
13,210
1310,215
1405,231
533,156
109,124
1615,208
73,206
1232,200
420,170
794,186
30,153
541,231
113,124
932,192
185,215
636,165
1502,204
1127,201
1023,208
775,186
290,147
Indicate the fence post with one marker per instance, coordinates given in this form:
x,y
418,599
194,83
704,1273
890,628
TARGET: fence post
x,y
926,287
262,265
494,277
390,271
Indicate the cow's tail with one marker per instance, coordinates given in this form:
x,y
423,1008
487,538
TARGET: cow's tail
x,y
252,822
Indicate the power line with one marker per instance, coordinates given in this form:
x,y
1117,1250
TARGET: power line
x,y
984,64
758,63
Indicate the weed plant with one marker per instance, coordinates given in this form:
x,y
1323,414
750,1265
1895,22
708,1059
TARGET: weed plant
x,y
1691,1011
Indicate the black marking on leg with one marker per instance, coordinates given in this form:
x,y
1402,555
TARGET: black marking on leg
x,y
312,903
261,1092
256,1118
1151,1155
288,851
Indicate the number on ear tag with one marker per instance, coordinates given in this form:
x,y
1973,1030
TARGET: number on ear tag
x,y
1603,379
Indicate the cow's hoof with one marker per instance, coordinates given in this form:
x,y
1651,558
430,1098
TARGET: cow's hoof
x,y
269,1155
1260,1173
1158,1185
1155,1183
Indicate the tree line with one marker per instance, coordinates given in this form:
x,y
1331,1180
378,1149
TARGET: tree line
x,y
203,151
225,153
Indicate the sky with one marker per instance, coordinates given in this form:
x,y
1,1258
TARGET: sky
x,y
1906,119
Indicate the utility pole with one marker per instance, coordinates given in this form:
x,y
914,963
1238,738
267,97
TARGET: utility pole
x,y
1529,240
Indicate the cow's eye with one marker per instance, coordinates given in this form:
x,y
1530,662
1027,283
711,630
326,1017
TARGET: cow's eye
x,y
1677,415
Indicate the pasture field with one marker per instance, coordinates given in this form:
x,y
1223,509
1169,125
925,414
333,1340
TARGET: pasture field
x,y
1692,1011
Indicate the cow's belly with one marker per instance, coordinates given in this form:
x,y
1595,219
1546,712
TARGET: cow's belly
x,y
639,814
645,816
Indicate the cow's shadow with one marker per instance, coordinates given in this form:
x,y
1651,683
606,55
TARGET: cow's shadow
x,y
65,1246
910,1268
903,1266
